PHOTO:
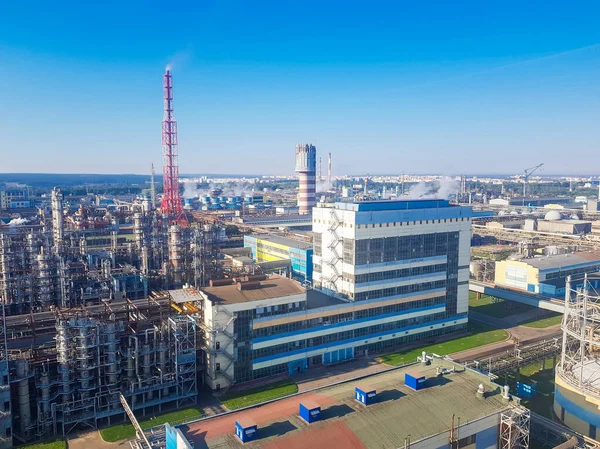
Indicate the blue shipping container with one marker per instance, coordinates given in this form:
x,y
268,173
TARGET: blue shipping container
x,y
526,390
246,430
416,383
310,411
365,395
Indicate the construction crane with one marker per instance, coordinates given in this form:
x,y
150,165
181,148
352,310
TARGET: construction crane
x,y
527,173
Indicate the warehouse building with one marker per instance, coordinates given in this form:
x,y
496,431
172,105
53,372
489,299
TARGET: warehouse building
x,y
571,227
453,409
546,275
270,248
406,271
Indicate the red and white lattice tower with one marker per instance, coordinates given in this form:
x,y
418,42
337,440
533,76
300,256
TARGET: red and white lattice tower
x,y
171,201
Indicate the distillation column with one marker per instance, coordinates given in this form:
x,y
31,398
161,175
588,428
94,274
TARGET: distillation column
x,y
45,282
63,359
23,398
6,269
176,255
57,219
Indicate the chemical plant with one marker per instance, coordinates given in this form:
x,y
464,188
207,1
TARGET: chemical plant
x,y
123,305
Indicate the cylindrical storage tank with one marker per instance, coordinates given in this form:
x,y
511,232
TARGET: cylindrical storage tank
x,y
24,400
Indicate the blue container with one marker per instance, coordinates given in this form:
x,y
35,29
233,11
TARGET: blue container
x,y
526,390
414,382
310,411
246,429
365,395
206,199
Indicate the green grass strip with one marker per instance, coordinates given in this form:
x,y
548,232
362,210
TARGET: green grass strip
x,y
480,335
253,396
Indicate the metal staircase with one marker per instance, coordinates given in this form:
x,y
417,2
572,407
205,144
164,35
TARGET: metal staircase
x,y
336,249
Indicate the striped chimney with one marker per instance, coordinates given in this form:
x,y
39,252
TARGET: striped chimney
x,y
306,167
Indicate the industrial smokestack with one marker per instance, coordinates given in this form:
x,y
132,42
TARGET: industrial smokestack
x,y
306,167
320,175
329,170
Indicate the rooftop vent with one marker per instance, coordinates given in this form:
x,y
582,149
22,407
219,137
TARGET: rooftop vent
x,y
220,282
248,285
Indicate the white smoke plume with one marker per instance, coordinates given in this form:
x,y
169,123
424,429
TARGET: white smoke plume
x,y
324,186
440,189
180,58
228,189
17,222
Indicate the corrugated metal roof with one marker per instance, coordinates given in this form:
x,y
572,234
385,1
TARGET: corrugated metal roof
x,y
563,260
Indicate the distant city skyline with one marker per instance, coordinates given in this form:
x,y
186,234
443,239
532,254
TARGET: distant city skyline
x,y
396,87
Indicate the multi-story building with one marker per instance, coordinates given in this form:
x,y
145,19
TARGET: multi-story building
x,y
15,198
546,275
269,248
388,273
387,249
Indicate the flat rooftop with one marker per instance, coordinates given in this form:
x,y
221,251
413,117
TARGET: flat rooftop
x,y
286,241
316,299
273,287
563,260
277,218
345,423
362,206
183,295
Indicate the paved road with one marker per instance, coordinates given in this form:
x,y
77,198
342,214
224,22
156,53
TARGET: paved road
x,y
522,334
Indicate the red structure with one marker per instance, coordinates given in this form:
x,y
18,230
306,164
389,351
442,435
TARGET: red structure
x,y
171,202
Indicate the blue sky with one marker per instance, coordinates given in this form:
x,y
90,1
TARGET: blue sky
x,y
386,87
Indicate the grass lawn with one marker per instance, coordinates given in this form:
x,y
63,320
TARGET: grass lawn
x,y
126,431
479,335
544,322
497,308
257,395
58,444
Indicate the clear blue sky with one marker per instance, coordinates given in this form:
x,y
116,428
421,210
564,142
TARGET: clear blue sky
x,y
387,87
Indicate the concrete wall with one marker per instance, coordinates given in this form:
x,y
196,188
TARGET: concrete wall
x,y
516,274
486,430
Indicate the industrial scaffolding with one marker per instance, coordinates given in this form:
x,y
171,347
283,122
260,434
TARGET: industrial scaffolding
x,y
75,379
580,360
514,428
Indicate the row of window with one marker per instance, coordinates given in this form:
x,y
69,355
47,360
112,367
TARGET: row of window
x,y
245,373
392,224
394,274
395,291
373,312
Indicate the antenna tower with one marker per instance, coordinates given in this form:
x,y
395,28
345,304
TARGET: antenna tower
x,y
171,202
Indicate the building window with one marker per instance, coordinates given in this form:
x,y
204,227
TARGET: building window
x,y
467,441
217,366
218,345
592,431
562,414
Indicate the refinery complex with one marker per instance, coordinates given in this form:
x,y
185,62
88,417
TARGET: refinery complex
x,y
123,306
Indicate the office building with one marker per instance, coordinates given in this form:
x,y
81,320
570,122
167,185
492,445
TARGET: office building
x,y
404,268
